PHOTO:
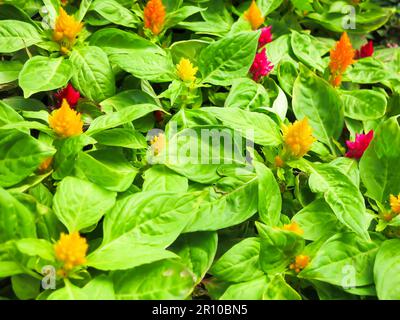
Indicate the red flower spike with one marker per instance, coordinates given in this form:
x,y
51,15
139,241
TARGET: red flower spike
x,y
358,147
70,94
365,51
261,66
265,37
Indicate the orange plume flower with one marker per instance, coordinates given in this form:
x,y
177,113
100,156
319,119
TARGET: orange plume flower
x,y
154,16
342,56
65,121
300,263
71,250
254,16
293,227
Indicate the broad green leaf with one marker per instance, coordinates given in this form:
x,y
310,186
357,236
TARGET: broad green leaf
x,y
250,290
115,13
287,75
164,280
380,162
160,178
268,6
106,168
252,125
124,253
344,260
364,104
119,118
150,218
16,35
127,99
44,74
316,99
36,247
80,204
135,55
278,289
240,263
8,114
197,251
25,286
386,270
100,288
93,75
69,292
120,137
343,196
269,195
304,48
229,58
20,156
10,268
231,201
277,248
368,70
247,94
317,220
9,71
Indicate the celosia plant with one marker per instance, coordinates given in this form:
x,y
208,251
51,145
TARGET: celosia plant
x,y
212,149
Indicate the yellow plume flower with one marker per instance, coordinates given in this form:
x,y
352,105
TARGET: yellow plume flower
x,y
293,227
186,70
395,203
342,56
154,16
254,16
65,121
158,144
66,29
300,263
71,250
298,138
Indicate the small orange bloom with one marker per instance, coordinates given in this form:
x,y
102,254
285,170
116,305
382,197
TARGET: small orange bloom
x,y
342,56
254,16
395,203
66,122
45,165
293,227
66,30
154,16
300,263
279,162
298,138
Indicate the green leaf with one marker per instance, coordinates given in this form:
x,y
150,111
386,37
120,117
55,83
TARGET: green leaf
x,y
120,137
124,253
164,280
240,263
16,221
69,292
16,35
150,218
80,204
134,54
250,290
197,251
345,260
315,99
387,270
277,248
44,74
160,178
20,156
278,289
36,247
379,164
364,104
119,118
8,114
106,168
9,268
115,13
93,75
233,200
100,288
268,6
9,71
343,196
317,220
368,70
304,48
229,58
25,287
269,195
254,126
287,75
247,94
